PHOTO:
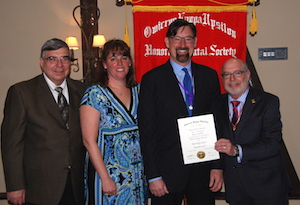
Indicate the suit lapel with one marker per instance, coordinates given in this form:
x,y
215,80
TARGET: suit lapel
x,y
198,82
172,83
247,110
74,102
225,117
46,97
200,87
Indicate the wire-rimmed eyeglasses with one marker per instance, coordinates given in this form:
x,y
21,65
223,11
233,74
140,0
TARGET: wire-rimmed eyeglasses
x,y
178,39
54,60
236,74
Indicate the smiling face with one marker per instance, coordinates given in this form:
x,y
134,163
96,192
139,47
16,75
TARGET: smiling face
x,y
117,65
233,84
56,70
182,51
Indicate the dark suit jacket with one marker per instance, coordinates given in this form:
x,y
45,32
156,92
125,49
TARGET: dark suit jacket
x,y
36,145
161,104
262,171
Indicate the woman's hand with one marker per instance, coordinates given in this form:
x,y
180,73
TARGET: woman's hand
x,y
109,187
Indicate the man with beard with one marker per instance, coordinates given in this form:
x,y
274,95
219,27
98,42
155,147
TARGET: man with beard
x,y
164,98
254,171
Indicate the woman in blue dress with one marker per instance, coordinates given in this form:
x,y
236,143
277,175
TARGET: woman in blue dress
x,y
108,114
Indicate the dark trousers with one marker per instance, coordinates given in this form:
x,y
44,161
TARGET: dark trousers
x,y
196,191
176,199
68,195
247,200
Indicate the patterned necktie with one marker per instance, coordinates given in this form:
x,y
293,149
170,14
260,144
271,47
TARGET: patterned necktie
x,y
63,105
235,114
187,83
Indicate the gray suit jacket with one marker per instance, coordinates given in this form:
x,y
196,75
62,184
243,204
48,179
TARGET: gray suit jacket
x,y
36,145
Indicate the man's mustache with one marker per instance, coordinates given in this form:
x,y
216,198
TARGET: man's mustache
x,y
185,48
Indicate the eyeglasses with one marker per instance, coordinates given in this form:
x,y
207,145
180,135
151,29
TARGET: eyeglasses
x,y
178,39
54,60
236,74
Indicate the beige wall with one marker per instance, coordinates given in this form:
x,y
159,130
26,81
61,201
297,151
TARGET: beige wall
x,y
26,25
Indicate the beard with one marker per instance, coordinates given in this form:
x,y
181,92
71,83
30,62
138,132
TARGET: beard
x,y
182,58
237,91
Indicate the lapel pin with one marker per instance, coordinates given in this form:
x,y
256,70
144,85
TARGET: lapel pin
x,y
253,101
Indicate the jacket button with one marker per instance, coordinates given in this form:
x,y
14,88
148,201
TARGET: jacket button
x,y
233,166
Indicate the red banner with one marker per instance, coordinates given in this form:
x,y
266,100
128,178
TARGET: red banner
x,y
221,31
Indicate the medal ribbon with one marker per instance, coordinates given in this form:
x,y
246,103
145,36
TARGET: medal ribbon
x,y
235,114
191,96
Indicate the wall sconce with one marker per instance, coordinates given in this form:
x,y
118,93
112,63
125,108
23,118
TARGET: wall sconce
x,y
73,45
88,25
99,41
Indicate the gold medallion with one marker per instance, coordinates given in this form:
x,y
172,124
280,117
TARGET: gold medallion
x,y
201,154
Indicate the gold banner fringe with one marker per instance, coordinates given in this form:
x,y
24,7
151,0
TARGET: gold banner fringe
x,y
189,9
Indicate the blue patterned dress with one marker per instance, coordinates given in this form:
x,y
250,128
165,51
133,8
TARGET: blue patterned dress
x,y
119,143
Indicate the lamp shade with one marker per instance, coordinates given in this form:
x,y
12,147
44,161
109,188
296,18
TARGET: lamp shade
x,y
98,40
72,42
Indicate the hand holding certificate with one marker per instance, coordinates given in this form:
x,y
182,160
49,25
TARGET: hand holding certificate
x,y
198,137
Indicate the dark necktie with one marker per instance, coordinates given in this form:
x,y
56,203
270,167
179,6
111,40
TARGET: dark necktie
x,y
63,105
235,114
187,83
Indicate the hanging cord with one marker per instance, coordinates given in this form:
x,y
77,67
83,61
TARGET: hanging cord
x,y
126,35
226,4
254,22
135,2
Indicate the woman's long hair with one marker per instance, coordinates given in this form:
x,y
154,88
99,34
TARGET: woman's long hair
x,y
118,47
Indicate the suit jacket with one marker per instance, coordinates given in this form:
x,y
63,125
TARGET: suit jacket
x,y
161,104
37,147
261,171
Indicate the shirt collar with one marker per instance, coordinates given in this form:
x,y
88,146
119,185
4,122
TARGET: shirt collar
x,y
178,68
52,86
242,98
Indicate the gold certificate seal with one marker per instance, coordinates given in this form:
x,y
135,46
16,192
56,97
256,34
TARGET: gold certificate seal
x,y
201,154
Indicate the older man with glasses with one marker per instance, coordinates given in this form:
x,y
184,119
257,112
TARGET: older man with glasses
x,y
254,172
41,144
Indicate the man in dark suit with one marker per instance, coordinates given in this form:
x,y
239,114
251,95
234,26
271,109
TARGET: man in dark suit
x,y
42,152
254,171
163,100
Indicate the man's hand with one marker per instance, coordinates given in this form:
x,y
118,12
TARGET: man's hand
x,y
225,146
216,180
16,197
158,188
